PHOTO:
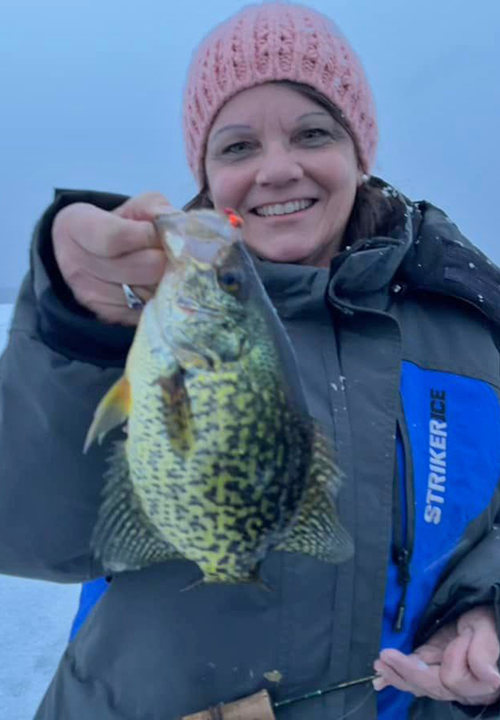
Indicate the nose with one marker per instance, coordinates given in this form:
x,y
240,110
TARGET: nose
x,y
278,167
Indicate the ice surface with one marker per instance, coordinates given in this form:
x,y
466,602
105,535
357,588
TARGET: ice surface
x,y
5,314
35,619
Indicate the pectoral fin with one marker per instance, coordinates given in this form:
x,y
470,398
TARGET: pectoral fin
x,y
178,418
317,530
113,410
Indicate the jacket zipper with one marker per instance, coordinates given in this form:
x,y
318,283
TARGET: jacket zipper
x,y
404,525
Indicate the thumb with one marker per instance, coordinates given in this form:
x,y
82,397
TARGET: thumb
x,y
483,654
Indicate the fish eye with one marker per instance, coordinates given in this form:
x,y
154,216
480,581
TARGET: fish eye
x,y
230,281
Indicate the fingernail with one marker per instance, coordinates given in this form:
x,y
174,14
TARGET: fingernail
x,y
378,683
422,664
163,209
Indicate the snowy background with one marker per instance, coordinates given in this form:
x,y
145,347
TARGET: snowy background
x,y
91,98
35,619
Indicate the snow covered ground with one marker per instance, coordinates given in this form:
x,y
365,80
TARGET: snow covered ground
x,y
35,619
5,313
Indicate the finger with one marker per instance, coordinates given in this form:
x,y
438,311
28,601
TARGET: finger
x,y
379,683
483,654
454,669
143,267
109,304
144,207
107,235
457,676
413,675
429,654
388,676
412,684
95,294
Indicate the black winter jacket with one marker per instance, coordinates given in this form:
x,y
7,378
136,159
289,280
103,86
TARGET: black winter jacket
x,y
398,348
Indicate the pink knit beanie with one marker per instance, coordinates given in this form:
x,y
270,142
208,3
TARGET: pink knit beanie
x,y
270,42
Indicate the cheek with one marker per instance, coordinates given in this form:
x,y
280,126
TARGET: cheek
x,y
343,181
226,188
340,174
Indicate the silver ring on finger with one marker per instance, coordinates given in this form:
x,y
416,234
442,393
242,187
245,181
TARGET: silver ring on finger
x,y
134,302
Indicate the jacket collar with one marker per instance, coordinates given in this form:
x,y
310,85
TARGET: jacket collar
x,y
363,276
442,260
421,250
295,290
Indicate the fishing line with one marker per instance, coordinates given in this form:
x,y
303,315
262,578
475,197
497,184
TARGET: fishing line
x,y
360,705
476,717
452,709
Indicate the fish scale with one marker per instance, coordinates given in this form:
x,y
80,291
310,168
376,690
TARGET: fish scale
x,y
230,508
221,463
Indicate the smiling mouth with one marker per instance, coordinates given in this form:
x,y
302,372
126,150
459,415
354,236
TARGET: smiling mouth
x,y
279,209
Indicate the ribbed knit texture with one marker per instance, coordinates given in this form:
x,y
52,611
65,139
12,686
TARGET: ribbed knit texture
x,y
270,42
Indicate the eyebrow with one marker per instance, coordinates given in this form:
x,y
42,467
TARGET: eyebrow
x,y
321,113
227,128
231,127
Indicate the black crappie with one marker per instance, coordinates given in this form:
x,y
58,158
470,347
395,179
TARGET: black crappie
x,y
221,462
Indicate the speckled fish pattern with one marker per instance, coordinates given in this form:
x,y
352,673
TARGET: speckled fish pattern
x,y
219,465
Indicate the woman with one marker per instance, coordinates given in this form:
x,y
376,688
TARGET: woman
x,y
393,316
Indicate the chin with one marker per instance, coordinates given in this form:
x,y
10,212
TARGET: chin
x,y
293,258
282,254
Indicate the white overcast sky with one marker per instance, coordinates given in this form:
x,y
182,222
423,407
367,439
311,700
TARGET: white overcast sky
x,y
90,97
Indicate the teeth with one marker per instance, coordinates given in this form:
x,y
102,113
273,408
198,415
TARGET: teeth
x,y
286,209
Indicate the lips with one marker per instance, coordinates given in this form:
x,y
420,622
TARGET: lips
x,y
280,209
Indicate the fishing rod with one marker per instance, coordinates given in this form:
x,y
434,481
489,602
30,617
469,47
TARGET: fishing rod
x,y
319,693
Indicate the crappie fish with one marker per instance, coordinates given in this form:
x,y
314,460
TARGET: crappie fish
x,y
221,462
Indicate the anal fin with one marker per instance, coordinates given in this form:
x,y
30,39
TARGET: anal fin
x,y
124,538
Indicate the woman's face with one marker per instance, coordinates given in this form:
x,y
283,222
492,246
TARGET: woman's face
x,y
288,168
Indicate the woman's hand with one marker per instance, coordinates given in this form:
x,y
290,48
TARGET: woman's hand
x,y
97,251
458,663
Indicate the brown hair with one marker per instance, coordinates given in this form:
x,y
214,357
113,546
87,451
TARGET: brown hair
x,y
372,208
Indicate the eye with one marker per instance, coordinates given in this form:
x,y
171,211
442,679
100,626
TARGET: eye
x,y
230,281
314,134
237,148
